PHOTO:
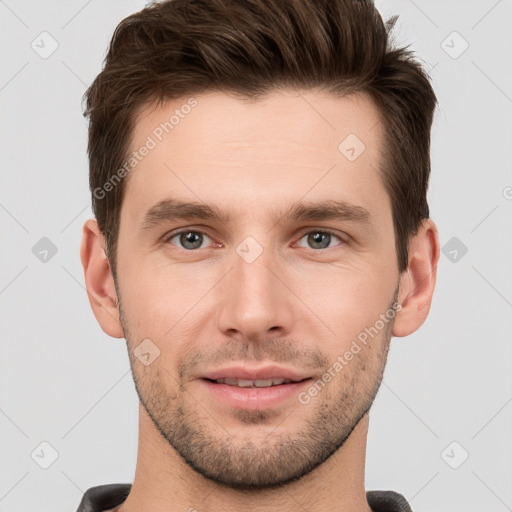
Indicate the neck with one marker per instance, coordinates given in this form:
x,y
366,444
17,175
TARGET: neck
x,y
164,482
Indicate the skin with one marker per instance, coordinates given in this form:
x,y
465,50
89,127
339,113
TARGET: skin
x,y
207,308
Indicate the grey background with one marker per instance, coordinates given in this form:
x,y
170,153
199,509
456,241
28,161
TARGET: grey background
x,y
66,383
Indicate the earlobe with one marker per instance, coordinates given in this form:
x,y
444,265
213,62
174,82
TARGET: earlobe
x,y
99,281
417,283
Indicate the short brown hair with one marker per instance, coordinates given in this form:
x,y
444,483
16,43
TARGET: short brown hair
x,y
248,47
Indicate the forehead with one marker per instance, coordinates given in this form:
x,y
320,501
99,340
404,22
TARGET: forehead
x,y
291,115
216,146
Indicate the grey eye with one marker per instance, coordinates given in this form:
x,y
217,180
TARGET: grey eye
x,y
320,239
189,240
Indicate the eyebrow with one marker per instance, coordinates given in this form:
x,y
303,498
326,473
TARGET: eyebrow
x,y
175,209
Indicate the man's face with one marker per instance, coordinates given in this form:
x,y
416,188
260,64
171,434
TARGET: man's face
x,y
263,296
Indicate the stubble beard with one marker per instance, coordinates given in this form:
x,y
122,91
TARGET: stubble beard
x,y
280,457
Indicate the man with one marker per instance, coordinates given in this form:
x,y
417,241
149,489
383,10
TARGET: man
x,y
259,171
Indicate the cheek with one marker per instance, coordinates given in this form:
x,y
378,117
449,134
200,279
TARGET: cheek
x,y
350,300
163,304
156,296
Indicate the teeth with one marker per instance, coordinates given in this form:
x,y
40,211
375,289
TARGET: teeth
x,y
261,383
244,383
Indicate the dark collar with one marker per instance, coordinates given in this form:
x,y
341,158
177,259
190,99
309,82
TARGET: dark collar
x,y
105,497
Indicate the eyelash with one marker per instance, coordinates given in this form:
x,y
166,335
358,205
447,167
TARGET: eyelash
x,y
167,239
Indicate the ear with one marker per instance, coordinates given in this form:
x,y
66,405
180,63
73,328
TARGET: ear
x,y
418,281
99,281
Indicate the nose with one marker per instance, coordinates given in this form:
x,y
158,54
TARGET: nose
x,y
255,300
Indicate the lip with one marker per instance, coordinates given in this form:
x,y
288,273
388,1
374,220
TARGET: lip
x,y
261,373
254,398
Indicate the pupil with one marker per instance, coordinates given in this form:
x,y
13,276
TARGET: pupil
x,y
319,237
188,238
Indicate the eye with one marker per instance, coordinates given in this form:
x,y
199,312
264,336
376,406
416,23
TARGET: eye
x,y
189,239
321,239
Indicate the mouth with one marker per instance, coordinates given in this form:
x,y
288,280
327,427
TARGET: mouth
x,y
260,383
254,388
